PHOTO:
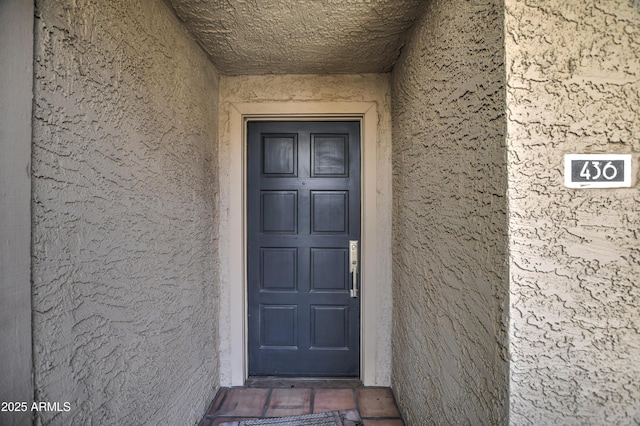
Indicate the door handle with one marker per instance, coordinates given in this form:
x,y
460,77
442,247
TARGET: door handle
x,y
353,267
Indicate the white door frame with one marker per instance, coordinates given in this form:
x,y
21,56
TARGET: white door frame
x,y
232,255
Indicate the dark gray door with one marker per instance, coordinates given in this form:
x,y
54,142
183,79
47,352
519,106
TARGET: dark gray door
x,y
303,208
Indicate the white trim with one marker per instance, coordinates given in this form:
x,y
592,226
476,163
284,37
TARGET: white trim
x,y
236,222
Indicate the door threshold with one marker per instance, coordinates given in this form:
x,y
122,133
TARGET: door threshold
x,y
302,382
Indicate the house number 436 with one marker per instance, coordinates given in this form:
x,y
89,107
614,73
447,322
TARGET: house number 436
x,y
597,170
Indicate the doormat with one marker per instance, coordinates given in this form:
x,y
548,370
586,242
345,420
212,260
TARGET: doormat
x,y
330,418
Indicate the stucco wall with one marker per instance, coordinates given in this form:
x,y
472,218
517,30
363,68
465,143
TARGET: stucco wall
x,y
124,208
299,36
299,94
16,82
450,276
573,71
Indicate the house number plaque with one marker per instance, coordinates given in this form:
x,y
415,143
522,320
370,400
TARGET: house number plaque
x,y
597,170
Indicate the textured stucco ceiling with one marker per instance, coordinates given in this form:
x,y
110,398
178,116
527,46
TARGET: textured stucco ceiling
x,y
299,36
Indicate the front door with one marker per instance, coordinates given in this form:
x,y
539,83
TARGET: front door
x,y
303,210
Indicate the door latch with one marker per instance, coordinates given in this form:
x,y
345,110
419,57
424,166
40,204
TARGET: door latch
x,y
353,267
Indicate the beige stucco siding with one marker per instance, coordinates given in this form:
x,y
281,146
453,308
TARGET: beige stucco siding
x,y
573,87
124,201
450,275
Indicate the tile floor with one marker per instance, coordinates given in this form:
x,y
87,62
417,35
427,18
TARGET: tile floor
x,y
279,398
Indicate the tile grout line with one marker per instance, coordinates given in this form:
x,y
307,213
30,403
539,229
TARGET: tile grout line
x,y
356,401
395,401
381,418
266,403
222,400
223,392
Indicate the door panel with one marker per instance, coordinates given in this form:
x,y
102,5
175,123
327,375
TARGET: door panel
x,y
303,208
279,212
329,212
329,155
334,279
278,268
330,327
